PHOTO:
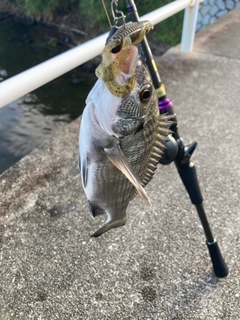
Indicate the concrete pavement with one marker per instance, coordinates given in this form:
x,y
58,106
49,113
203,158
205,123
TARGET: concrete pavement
x,y
153,267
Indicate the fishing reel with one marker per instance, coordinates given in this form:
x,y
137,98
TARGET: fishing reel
x,y
170,152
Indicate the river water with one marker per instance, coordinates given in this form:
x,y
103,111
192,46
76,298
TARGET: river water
x,y
27,123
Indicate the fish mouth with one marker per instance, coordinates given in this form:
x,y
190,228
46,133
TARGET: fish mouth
x,y
128,67
118,70
119,58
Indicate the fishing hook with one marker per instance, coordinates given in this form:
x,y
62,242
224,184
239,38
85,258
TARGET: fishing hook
x,y
115,18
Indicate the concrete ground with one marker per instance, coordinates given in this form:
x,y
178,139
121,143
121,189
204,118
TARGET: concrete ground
x,y
155,267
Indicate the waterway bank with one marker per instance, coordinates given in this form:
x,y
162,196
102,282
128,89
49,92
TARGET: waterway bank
x,y
28,122
25,42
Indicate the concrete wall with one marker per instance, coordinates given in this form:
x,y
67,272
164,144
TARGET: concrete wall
x,y
211,10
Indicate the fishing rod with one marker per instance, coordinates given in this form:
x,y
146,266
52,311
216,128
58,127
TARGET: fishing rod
x,y
175,149
182,159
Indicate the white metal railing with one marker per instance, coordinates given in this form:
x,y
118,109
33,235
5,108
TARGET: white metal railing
x,y
33,78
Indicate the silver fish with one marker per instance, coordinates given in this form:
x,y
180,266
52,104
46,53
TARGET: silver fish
x,y
122,134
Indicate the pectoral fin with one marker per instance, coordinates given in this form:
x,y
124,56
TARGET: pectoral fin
x,y
117,158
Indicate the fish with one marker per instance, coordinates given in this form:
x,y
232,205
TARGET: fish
x,y
122,134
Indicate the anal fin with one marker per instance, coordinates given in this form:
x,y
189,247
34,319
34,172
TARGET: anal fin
x,y
94,210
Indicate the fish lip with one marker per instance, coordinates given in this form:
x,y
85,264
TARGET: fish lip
x,y
125,75
133,57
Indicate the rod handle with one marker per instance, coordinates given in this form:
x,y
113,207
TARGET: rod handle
x,y
219,266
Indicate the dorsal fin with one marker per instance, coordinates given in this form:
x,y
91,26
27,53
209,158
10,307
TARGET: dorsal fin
x,y
164,122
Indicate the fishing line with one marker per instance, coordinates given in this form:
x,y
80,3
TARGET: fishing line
x,y
105,9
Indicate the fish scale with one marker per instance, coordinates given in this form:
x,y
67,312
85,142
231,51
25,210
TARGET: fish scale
x,y
121,142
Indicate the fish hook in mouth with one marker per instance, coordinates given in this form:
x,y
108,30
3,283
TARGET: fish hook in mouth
x,y
120,57
118,71
128,67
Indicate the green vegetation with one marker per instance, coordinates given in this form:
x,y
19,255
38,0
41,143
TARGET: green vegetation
x,y
92,12
168,31
39,9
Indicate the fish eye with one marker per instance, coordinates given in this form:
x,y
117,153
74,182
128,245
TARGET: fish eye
x,y
145,93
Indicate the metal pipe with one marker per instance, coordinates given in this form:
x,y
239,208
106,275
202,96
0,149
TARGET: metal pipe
x,y
166,11
189,26
33,78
